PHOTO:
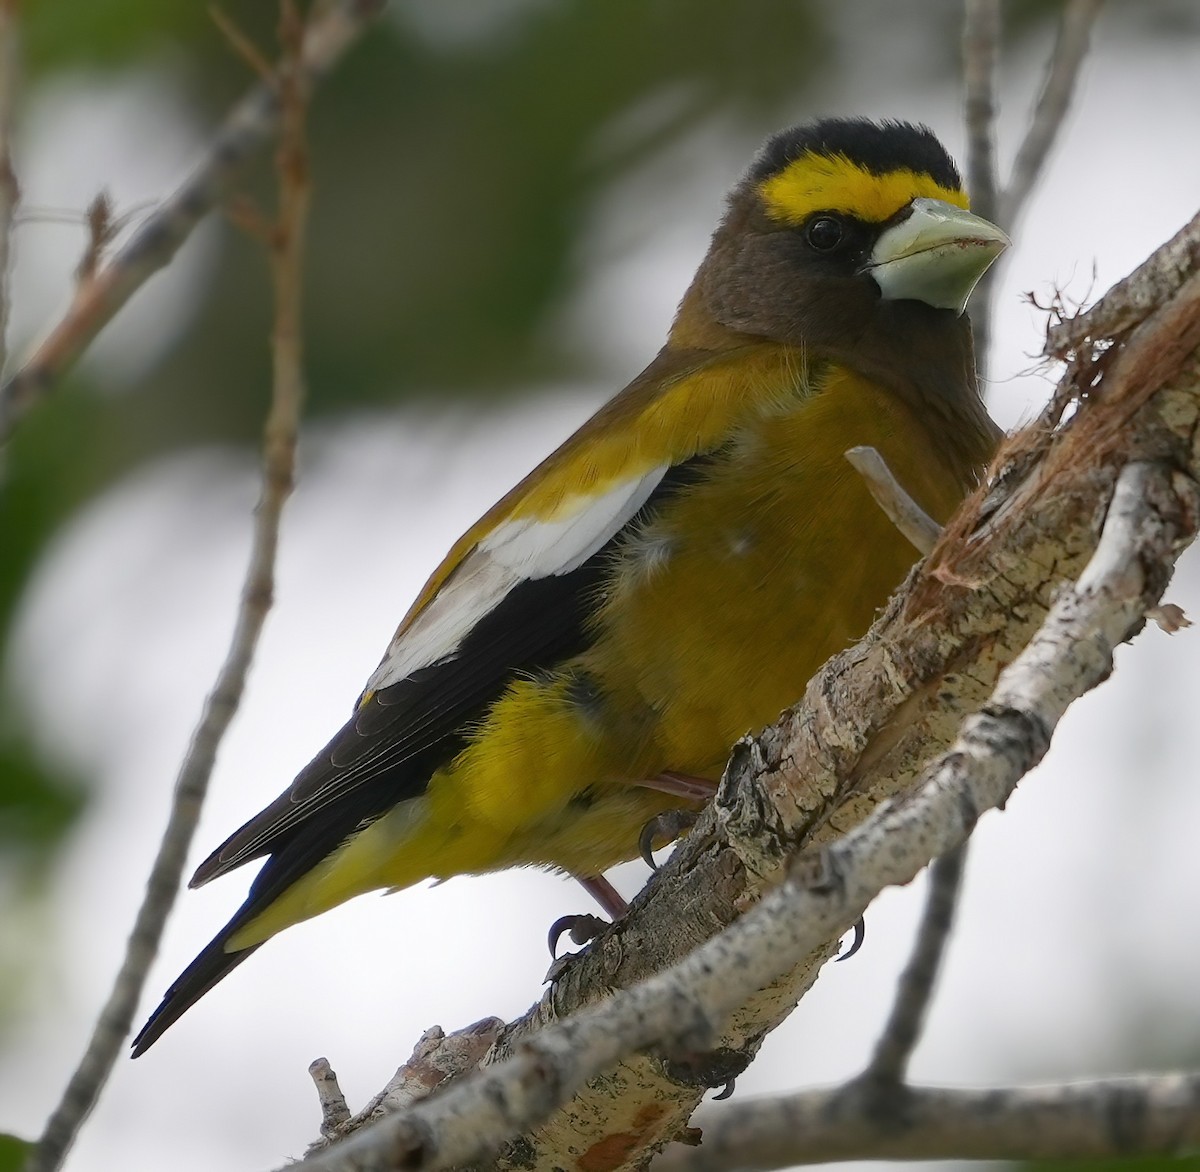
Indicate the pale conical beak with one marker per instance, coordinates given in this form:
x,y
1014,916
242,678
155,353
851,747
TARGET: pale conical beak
x,y
936,255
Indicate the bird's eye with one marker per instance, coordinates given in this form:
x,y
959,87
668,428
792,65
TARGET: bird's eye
x,y
824,233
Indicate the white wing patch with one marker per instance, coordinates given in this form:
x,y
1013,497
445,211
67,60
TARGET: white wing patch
x,y
512,553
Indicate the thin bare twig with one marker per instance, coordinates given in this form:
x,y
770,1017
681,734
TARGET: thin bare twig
x,y
980,48
1139,1115
889,1063
920,529
250,124
102,226
10,191
279,441
1062,73
241,44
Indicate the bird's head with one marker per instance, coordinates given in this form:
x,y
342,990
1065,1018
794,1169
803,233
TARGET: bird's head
x,y
840,229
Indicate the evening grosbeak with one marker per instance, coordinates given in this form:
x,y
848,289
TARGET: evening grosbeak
x,y
669,578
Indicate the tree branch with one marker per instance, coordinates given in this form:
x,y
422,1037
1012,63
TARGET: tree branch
x,y
1143,1115
279,443
889,1063
682,1009
980,50
437,1057
1062,73
250,124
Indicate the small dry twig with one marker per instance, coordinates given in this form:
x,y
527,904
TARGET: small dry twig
x,y
918,527
437,1056
242,45
102,226
279,442
334,1110
250,124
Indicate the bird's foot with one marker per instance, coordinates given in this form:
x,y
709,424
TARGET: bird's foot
x,y
667,826
583,929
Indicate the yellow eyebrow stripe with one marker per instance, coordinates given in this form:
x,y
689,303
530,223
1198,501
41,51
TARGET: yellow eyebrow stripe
x,y
834,183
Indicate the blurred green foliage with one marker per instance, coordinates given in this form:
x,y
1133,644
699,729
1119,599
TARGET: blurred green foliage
x,y
12,1153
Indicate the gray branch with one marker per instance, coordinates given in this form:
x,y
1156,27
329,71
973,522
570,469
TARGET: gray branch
x,y
1142,1115
1062,74
919,528
889,1062
980,50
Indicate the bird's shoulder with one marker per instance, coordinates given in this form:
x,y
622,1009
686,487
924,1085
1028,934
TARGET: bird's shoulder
x,y
686,402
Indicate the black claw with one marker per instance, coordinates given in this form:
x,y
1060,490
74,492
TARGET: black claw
x,y
670,824
860,934
725,1092
580,928
646,843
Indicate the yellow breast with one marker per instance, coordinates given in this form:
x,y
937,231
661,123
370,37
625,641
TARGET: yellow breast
x,y
728,604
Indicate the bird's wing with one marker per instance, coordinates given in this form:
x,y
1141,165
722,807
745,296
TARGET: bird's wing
x,y
513,597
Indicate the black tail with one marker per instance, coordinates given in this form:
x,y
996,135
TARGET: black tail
x,y
201,975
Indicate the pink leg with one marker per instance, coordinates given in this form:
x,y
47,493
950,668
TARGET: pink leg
x,y
605,894
681,785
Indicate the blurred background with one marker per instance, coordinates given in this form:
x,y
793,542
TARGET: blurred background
x,y
510,197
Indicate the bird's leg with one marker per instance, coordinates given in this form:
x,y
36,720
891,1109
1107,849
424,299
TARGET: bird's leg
x,y
583,928
605,894
681,785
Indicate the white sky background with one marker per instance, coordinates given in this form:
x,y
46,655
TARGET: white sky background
x,y
1071,955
